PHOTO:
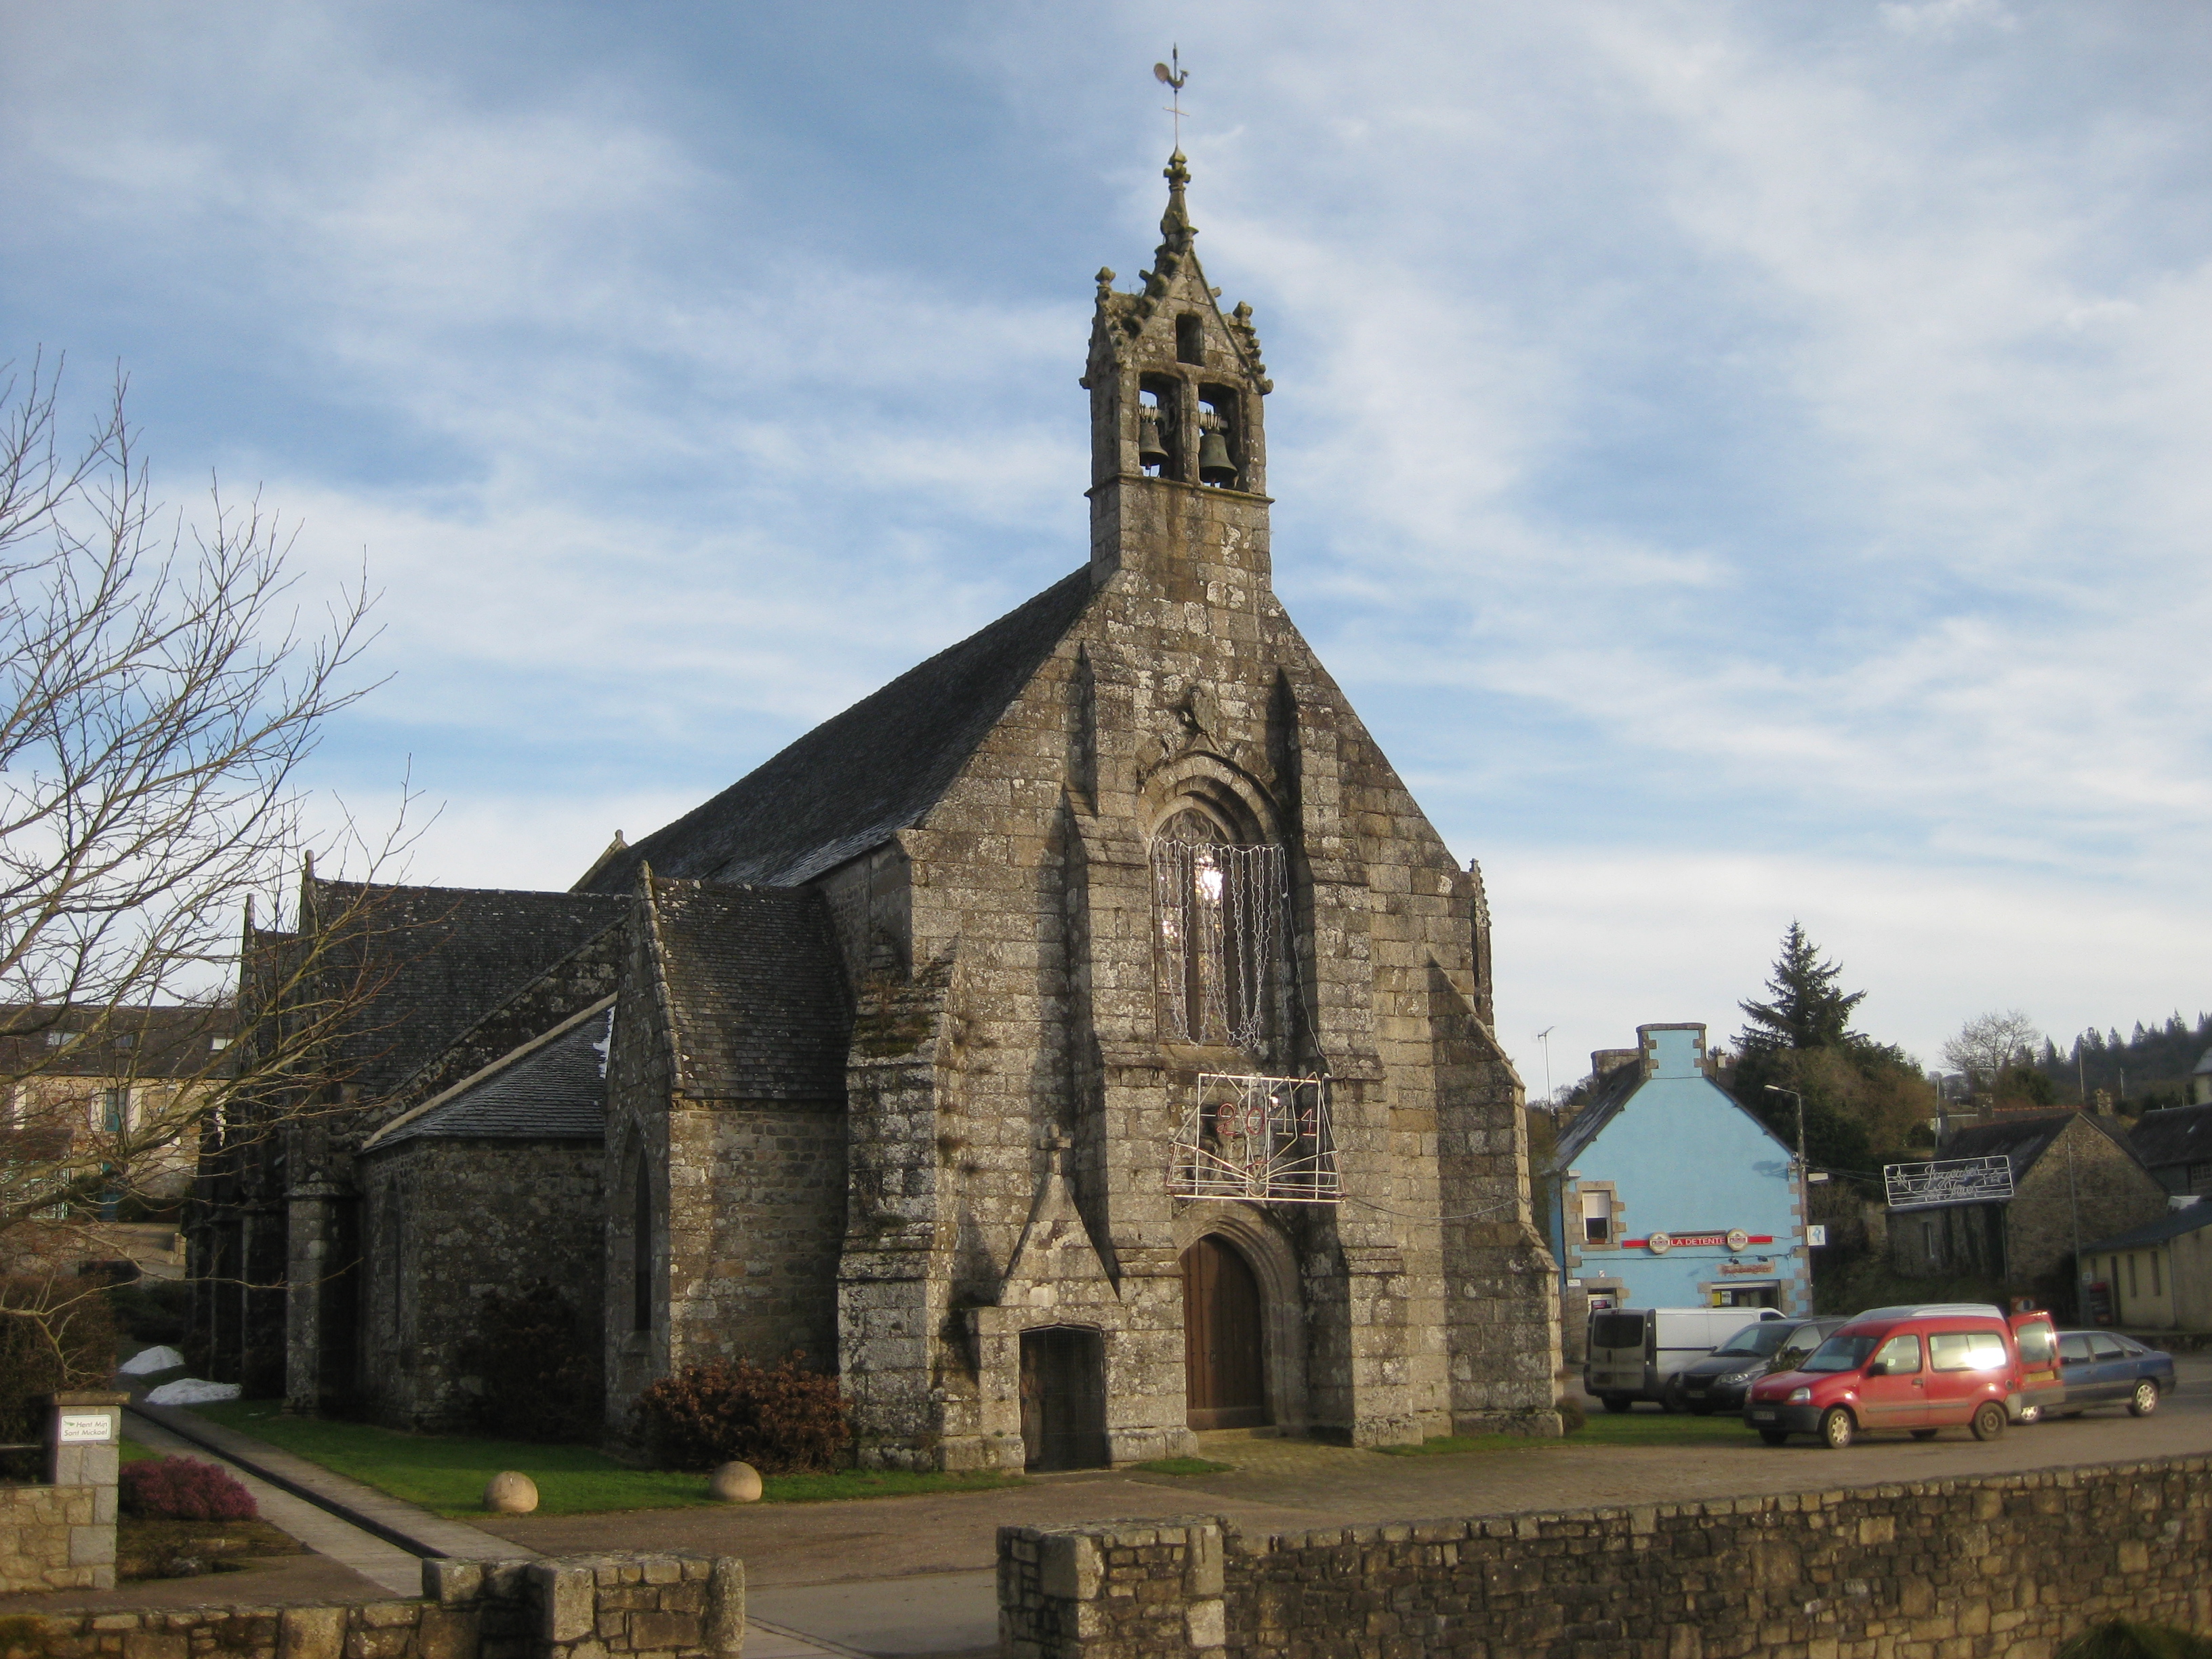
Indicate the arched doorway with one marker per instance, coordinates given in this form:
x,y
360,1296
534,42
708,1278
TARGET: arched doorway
x,y
1063,1389
1224,1373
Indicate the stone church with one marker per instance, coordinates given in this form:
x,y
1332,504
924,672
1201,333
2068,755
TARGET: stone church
x,y
1083,1041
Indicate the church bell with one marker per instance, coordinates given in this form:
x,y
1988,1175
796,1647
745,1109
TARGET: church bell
x,y
1151,447
1214,466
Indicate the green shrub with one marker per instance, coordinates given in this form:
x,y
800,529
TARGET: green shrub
x,y
55,1332
2121,1639
782,1420
540,1374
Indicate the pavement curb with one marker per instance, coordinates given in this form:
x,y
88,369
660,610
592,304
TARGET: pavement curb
x,y
412,1529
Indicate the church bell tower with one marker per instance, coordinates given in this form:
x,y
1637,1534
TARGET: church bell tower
x,y
1178,443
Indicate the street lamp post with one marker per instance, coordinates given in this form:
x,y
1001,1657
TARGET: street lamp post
x,y
1804,1191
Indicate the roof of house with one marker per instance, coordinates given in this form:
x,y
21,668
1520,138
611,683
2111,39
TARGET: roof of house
x,y
1603,1106
853,781
2025,1138
757,989
146,1043
2180,1134
2172,1224
433,961
550,1089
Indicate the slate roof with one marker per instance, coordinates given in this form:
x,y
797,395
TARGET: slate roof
x,y
2172,1224
757,992
2025,1138
2180,1134
165,1041
1599,1109
853,780
557,1091
441,958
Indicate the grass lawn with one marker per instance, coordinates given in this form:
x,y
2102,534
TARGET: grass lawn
x,y
1606,1429
448,1473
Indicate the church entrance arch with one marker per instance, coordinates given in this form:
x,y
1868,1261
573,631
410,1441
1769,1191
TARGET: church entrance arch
x,y
1063,1388
1223,1340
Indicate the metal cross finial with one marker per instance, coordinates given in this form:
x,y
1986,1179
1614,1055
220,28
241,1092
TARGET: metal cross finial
x,y
1174,80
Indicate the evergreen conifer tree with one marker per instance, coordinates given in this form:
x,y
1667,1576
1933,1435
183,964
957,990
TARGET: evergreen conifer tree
x,y
1807,1010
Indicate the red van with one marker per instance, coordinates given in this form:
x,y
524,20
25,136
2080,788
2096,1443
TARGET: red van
x,y
1916,1369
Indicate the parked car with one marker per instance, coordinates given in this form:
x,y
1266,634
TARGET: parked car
x,y
2103,1367
1720,1380
1634,1352
1916,1369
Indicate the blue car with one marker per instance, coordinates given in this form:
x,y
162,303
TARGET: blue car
x,y
2103,1367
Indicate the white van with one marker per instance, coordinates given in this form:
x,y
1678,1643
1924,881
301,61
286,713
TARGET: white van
x,y
1633,1351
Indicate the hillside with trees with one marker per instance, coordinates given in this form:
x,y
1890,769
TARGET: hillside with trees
x,y
2144,1070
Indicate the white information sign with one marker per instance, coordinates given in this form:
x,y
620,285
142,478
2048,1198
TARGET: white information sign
x,y
1952,1180
91,1429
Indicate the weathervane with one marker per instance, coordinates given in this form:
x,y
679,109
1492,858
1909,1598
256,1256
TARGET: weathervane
x,y
1174,79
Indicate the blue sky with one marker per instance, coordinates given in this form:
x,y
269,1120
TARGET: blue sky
x,y
1744,461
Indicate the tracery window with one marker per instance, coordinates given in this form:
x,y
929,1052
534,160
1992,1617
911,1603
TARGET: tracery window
x,y
1220,907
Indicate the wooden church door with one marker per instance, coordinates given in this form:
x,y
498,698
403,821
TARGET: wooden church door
x,y
1223,1378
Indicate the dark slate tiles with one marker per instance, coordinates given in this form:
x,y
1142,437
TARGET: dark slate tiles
x,y
556,1093
760,1000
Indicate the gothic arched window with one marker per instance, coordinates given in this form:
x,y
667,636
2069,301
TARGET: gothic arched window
x,y
1220,907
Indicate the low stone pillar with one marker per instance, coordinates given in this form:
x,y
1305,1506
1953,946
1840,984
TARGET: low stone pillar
x,y
1131,1590
674,1605
84,1435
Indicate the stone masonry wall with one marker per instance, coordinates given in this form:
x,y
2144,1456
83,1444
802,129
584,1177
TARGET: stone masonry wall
x,y
43,1533
2010,1566
627,1607
449,1220
2112,1191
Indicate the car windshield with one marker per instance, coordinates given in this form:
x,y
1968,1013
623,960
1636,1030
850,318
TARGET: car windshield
x,y
1841,1353
1757,1340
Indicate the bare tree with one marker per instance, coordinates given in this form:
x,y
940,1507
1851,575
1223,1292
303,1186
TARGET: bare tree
x,y
163,688
1990,1044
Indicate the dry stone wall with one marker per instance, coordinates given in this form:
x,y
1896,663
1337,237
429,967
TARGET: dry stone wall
x,y
2010,1566
605,1606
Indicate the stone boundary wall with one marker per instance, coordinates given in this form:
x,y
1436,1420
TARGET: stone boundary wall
x,y
584,1606
2010,1564
51,1538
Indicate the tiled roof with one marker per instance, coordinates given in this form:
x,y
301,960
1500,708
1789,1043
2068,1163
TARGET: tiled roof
x,y
555,1092
2181,1135
758,991
879,767
1599,1109
441,958
2172,1224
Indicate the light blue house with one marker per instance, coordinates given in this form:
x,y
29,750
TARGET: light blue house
x,y
1668,1193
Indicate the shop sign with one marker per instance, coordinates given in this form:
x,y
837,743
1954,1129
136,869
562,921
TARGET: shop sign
x,y
1734,1239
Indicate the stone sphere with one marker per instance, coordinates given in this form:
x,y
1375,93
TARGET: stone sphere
x,y
735,1483
510,1493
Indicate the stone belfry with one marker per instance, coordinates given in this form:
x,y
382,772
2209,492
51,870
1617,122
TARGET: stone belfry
x,y
1178,439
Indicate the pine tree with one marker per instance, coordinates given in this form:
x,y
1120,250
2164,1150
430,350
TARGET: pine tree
x,y
1807,1010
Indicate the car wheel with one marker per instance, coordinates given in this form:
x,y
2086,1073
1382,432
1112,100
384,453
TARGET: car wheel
x,y
1836,1429
1618,1402
2144,1400
1774,1436
1923,1434
2030,1413
1988,1421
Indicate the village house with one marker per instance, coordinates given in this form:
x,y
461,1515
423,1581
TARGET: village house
x,y
1082,1041
2075,1177
2176,1146
1666,1192
2157,1277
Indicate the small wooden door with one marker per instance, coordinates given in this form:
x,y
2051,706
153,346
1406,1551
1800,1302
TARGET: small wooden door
x,y
1224,1379
1063,1387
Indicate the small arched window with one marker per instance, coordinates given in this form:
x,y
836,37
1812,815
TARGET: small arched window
x,y
1220,907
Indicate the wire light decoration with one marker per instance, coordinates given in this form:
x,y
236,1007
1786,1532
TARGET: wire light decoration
x,y
1263,1137
1221,911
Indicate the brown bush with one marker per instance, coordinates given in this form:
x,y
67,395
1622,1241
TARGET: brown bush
x,y
782,1420
55,1332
